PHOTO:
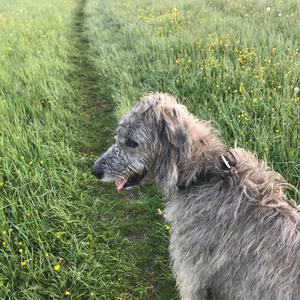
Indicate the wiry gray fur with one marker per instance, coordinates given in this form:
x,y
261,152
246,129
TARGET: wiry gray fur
x,y
234,233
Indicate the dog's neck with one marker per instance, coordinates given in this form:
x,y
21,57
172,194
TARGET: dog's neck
x,y
205,156
204,160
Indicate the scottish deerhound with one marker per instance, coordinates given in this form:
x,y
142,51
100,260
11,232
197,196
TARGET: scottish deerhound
x,y
234,234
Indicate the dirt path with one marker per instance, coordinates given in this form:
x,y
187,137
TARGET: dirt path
x,y
127,234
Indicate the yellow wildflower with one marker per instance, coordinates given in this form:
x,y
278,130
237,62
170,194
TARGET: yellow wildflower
x,y
242,88
20,243
21,251
167,227
4,232
24,263
57,267
1,184
46,254
159,31
67,293
22,157
159,211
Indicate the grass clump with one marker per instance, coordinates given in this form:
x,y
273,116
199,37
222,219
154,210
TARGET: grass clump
x,y
38,176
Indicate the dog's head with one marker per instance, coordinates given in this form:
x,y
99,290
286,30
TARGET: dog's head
x,y
150,139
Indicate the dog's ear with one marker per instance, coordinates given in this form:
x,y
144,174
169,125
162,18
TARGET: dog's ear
x,y
175,145
171,121
173,130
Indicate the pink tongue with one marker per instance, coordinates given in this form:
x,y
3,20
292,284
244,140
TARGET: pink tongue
x,y
120,183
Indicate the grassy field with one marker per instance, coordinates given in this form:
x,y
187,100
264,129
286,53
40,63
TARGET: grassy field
x,y
69,70
236,63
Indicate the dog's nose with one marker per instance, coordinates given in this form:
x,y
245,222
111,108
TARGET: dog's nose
x,y
97,171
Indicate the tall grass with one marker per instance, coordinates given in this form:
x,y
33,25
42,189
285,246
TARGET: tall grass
x,y
233,62
62,235
38,177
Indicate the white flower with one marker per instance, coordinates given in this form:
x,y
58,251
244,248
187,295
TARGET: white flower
x,y
296,90
279,14
268,8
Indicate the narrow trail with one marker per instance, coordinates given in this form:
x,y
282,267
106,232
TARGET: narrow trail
x,y
97,113
130,242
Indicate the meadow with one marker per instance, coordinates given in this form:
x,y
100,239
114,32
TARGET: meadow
x,y
69,70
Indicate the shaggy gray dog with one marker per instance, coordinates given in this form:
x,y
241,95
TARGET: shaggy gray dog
x,y
234,233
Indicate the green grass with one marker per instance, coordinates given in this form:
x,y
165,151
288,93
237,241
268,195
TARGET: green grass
x,y
69,70
62,234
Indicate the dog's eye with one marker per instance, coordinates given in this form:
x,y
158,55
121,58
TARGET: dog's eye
x,y
131,143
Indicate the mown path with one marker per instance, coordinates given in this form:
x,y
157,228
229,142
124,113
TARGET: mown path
x,y
128,235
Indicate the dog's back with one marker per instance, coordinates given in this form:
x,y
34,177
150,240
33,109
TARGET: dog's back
x,y
236,236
